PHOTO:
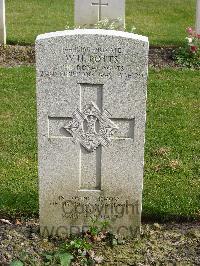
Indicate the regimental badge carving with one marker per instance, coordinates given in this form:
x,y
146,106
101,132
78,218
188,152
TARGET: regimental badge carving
x,y
91,128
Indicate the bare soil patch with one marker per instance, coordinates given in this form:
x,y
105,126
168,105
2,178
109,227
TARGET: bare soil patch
x,y
16,55
160,244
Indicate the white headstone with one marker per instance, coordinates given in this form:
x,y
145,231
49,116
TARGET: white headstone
x,y
91,98
198,17
89,12
2,22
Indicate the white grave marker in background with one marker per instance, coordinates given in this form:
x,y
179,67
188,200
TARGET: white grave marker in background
x,y
198,17
89,12
2,22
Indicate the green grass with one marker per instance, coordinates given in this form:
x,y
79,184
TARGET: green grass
x,y
172,182
164,22
172,176
18,166
28,18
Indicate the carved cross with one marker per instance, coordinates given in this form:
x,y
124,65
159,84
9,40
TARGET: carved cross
x,y
92,128
99,5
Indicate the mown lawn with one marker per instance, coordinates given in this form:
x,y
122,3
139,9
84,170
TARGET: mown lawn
x,y
164,22
28,18
172,161
172,181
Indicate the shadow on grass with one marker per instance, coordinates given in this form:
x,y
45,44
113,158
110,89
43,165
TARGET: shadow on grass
x,y
27,201
167,218
21,43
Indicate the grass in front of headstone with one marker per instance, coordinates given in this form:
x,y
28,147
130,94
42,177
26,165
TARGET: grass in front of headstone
x,y
164,24
171,184
18,162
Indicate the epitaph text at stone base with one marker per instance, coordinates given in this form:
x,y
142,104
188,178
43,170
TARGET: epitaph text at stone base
x,y
91,102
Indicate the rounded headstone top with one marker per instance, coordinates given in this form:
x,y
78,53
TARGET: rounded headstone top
x,y
100,32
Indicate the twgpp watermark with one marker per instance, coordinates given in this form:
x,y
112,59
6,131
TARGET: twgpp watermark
x,y
119,215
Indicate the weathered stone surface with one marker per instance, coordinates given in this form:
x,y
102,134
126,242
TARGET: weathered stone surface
x,y
2,22
91,98
89,12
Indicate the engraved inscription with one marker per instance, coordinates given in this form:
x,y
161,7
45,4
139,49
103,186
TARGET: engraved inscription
x,y
104,207
83,61
91,127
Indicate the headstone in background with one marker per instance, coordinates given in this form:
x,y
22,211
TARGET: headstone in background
x,y
89,12
198,17
2,22
91,98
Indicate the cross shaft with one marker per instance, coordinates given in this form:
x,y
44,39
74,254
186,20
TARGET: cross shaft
x,y
99,5
83,128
